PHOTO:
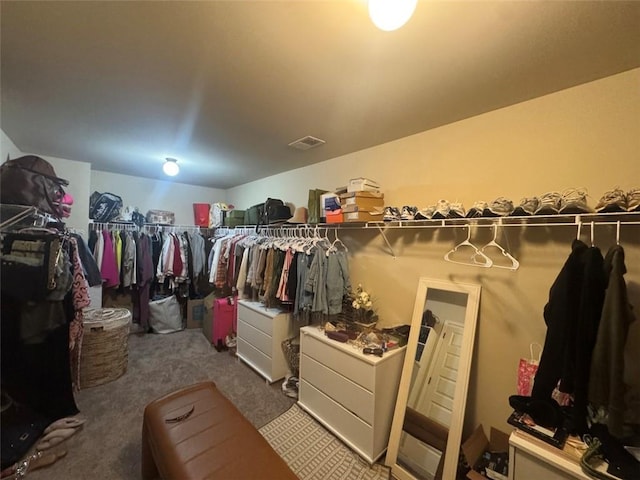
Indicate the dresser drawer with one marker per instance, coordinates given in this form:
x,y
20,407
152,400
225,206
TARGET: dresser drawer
x,y
348,365
353,431
263,321
255,337
254,358
348,394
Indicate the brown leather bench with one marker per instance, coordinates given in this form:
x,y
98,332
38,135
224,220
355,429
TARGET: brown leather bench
x,y
197,433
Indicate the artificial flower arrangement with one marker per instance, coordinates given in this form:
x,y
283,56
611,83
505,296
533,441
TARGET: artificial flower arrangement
x,y
362,304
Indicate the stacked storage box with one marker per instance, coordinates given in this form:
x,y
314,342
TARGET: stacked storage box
x,y
363,201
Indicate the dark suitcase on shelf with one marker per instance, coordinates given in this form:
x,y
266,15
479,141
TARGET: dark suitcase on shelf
x,y
223,321
252,215
234,218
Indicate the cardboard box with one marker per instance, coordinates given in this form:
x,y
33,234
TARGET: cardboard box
x,y
195,313
362,217
364,203
361,183
335,216
344,197
477,444
355,207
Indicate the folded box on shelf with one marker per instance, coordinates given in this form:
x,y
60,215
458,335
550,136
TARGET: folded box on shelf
x,y
361,183
356,207
356,196
334,216
363,217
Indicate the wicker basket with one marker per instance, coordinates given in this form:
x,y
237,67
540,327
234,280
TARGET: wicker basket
x,y
105,351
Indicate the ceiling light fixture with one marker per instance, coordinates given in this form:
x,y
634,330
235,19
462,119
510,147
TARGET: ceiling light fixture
x,y
389,15
170,167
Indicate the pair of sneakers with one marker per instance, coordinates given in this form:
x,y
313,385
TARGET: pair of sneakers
x,y
570,201
617,200
500,207
391,214
441,210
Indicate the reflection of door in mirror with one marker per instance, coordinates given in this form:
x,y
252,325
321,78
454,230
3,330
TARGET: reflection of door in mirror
x,y
430,408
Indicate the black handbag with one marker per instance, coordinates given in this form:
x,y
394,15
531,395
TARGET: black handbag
x,y
275,211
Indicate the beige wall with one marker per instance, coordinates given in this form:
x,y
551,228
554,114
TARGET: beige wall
x,y
7,147
587,136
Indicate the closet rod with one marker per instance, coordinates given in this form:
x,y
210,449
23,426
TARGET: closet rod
x,y
598,219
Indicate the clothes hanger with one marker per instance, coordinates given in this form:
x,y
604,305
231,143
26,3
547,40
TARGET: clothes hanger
x,y
477,254
618,232
335,245
592,241
514,263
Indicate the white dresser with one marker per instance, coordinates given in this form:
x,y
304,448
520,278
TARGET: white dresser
x,y
350,393
261,331
533,459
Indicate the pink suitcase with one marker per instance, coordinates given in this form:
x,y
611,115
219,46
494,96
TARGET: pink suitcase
x,y
223,321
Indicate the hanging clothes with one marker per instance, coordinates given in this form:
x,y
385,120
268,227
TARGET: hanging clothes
x,y
572,315
338,281
109,268
80,300
607,387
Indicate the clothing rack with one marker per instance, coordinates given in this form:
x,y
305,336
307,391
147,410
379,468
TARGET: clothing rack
x,y
592,220
146,228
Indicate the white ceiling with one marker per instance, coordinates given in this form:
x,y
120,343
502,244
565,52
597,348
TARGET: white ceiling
x,y
224,86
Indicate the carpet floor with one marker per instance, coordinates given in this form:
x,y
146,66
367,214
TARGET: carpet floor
x,y
107,446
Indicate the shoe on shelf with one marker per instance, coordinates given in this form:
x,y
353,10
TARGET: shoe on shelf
x,y
442,210
390,214
477,209
425,213
574,200
500,207
612,201
549,204
633,200
408,212
457,210
527,207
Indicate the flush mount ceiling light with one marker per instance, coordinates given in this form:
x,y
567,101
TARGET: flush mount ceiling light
x,y
171,167
389,15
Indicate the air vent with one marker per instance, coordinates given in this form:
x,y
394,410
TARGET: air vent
x,y
305,143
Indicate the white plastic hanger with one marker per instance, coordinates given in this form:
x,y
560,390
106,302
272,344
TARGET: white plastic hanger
x,y
514,263
477,258
336,245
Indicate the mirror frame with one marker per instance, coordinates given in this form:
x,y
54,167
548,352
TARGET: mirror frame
x,y
462,380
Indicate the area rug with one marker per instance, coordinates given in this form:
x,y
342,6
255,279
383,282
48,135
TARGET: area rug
x,y
313,453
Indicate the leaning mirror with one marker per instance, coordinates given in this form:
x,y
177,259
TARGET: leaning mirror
x,y
429,414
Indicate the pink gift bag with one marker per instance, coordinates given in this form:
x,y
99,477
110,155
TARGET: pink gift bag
x,y
527,369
